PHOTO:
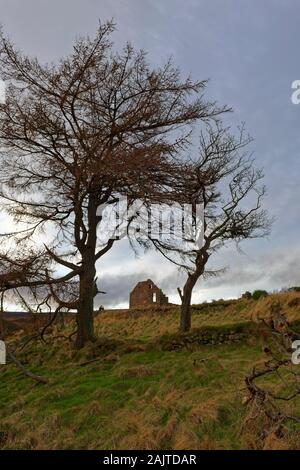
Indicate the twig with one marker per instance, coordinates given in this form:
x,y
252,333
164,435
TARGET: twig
x,y
90,361
26,372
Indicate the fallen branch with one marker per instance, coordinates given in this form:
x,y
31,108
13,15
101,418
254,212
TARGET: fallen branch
x,y
90,361
25,371
263,402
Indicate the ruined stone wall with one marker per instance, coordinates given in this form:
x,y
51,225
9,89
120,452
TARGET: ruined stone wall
x,y
145,294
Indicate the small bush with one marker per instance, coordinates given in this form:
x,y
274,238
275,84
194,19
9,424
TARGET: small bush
x,y
294,289
258,294
247,295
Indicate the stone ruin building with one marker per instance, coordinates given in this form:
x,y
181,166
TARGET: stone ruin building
x,y
145,294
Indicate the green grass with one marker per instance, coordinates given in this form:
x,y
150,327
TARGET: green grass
x,y
136,395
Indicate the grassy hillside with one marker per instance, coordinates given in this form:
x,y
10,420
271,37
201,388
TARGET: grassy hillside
x,y
132,389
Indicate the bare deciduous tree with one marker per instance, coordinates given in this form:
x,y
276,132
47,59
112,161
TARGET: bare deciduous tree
x,y
77,134
225,182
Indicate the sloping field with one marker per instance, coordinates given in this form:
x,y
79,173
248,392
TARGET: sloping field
x,y
149,323
131,389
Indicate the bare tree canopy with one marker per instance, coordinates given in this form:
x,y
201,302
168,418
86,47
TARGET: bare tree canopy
x,y
77,134
224,180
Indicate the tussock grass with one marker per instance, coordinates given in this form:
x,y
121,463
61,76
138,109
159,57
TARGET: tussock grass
x,y
135,395
145,324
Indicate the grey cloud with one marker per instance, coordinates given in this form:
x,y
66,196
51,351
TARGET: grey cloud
x,y
250,52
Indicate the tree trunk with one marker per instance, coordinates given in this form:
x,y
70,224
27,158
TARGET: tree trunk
x,y
186,296
85,309
185,313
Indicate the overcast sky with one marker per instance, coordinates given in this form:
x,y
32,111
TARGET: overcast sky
x,y
249,50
